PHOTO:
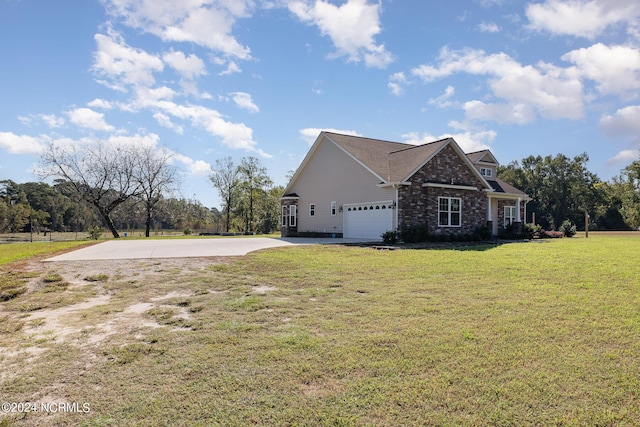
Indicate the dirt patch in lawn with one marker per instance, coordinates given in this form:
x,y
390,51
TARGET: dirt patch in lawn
x,y
84,304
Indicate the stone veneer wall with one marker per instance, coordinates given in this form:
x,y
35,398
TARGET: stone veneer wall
x,y
287,230
418,205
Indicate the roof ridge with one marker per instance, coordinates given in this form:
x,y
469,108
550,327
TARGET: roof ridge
x,y
479,151
411,146
365,137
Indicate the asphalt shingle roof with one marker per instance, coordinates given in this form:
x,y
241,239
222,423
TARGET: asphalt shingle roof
x,y
392,161
395,161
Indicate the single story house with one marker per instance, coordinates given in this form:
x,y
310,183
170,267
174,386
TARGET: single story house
x,y
356,187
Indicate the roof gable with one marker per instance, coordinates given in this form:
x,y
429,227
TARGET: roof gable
x,y
484,157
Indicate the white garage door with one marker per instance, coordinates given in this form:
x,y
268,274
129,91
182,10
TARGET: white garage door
x,y
367,220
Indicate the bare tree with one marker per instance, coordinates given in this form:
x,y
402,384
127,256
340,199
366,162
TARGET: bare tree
x,y
155,175
102,175
226,179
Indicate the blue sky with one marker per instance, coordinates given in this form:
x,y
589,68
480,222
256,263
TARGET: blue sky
x,y
214,78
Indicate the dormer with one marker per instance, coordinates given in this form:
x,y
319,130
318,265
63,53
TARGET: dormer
x,y
485,163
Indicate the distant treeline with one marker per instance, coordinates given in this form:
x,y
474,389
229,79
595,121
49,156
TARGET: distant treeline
x,y
563,188
50,207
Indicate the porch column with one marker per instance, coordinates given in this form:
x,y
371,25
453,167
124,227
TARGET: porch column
x,y
518,219
489,213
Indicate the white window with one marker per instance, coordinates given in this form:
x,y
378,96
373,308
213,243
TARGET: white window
x,y
312,209
449,211
485,172
509,215
333,208
292,216
284,216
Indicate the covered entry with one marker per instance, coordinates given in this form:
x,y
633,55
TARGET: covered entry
x,y
367,220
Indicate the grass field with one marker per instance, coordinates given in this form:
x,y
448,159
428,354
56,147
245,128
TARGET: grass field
x,y
542,333
18,251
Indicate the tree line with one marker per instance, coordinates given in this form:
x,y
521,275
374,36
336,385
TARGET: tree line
x,y
40,207
126,187
562,188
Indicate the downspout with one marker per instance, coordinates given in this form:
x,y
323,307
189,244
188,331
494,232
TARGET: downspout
x,y
396,213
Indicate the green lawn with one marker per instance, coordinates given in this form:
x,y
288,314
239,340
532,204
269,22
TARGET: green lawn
x,y
11,252
545,333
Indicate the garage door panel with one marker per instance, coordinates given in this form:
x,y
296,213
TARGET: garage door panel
x,y
367,220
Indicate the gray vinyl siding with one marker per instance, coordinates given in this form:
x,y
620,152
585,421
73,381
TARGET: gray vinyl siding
x,y
332,175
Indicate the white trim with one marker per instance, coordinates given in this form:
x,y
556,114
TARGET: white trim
x,y
450,186
284,216
395,185
509,196
512,209
292,216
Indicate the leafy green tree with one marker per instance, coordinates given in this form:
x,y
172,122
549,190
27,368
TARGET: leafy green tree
x,y
254,182
561,188
15,214
623,199
226,179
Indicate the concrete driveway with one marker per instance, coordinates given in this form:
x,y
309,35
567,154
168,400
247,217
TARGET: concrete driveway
x,y
186,248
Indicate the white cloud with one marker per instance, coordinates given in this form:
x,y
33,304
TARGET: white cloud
x,y
625,122
442,101
396,83
309,135
165,121
195,167
123,65
52,120
488,27
615,69
146,97
232,68
20,144
352,28
581,18
237,136
206,23
101,103
189,67
519,113
244,101
527,91
624,157
89,119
